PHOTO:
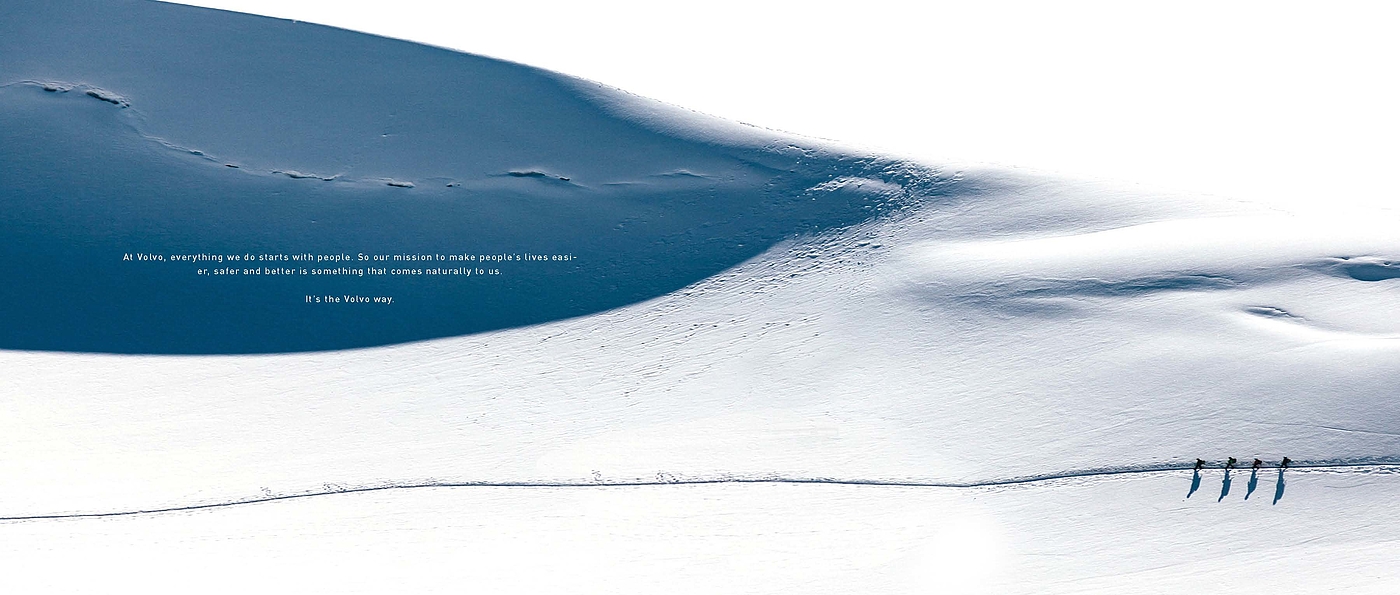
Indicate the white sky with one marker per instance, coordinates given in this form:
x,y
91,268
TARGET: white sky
x,y
1275,101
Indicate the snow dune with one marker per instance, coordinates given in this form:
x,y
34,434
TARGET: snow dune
x,y
745,305
257,136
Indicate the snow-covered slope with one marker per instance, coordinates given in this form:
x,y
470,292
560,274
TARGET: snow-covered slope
x,y
240,135
741,305
1011,330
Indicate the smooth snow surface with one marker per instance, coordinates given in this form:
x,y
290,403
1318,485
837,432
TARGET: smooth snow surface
x,y
1277,103
1134,534
745,306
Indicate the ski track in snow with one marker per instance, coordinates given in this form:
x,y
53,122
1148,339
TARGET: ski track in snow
x,y
1383,466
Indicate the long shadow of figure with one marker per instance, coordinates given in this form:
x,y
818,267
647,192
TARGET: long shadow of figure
x,y
1225,486
1253,482
1278,489
1195,482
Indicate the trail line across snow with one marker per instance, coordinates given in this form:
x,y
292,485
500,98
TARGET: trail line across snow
x,y
1386,464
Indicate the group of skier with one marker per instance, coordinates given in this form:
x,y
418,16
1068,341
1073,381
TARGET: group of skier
x,y
1230,464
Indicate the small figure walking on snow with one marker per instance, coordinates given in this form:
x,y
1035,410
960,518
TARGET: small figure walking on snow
x,y
1257,463
1200,464
1230,464
1284,464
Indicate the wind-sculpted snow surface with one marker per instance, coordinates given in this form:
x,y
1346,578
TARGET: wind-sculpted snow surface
x,y
231,134
744,307
987,334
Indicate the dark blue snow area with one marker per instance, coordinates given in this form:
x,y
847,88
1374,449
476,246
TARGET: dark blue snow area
x,y
1372,271
134,127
